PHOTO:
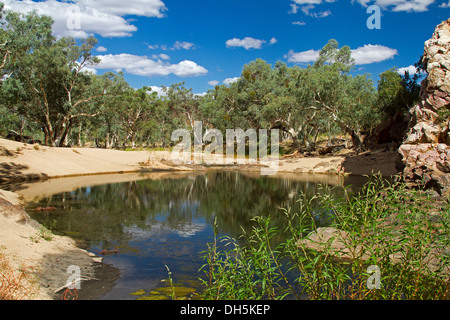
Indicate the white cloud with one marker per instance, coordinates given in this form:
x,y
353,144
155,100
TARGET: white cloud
x,y
101,49
411,69
143,66
302,2
183,45
161,56
162,93
322,14
302,57
445,5
145,8
299,23
307,11
311,2
247,43
400,5
372,53
229,81
83,18
363,55
213,83
417,5
158,46
294,8
158,90
178,45
88,69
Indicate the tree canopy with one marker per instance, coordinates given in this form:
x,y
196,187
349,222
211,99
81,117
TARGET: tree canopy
x,y
47,92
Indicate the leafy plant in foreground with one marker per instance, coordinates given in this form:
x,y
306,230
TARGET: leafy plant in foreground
x,y
399,230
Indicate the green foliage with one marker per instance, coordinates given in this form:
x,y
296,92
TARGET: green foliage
x,y
387,225
300,102
46,82
48,93
396,93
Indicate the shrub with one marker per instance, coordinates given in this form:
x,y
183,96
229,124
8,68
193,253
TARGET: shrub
x,y
15,284
399,230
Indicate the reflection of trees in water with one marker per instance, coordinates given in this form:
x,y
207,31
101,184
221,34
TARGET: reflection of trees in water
x,y
104,213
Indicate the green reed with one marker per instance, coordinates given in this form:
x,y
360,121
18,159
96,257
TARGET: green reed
x,y
404,232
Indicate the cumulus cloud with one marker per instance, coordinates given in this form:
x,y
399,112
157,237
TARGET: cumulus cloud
x,y
299,23
161,56
143,66
411,69
88,69
302,57
159,91
372,53
400,5
101,49
83,18
248,43
229,81
213,83
183,45
363,55
146,8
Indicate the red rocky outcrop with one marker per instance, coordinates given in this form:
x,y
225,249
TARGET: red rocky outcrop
x,y
425,152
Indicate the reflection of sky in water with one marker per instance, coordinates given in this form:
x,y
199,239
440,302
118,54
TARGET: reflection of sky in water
x,y
160,228
155,223
143,258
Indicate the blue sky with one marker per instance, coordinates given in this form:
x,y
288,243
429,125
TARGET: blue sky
x,y
204,43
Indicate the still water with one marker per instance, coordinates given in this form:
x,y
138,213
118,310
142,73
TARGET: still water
x,y
149,224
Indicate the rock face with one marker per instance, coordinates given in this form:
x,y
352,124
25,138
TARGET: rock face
x,y
425,152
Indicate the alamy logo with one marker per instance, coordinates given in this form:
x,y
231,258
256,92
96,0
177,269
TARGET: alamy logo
x,y
73,21
257,146
74,281
374,281
374,21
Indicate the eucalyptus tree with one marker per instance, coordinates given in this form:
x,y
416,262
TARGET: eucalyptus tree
x,y
288,107
348,101
179,109
396,93
18,34
47,82
134,108
106,128
182,103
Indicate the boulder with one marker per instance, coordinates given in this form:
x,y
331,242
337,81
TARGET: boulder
x,y
337,243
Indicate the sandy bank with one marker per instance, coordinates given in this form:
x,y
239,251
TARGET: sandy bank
x,y
45,261
22,162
